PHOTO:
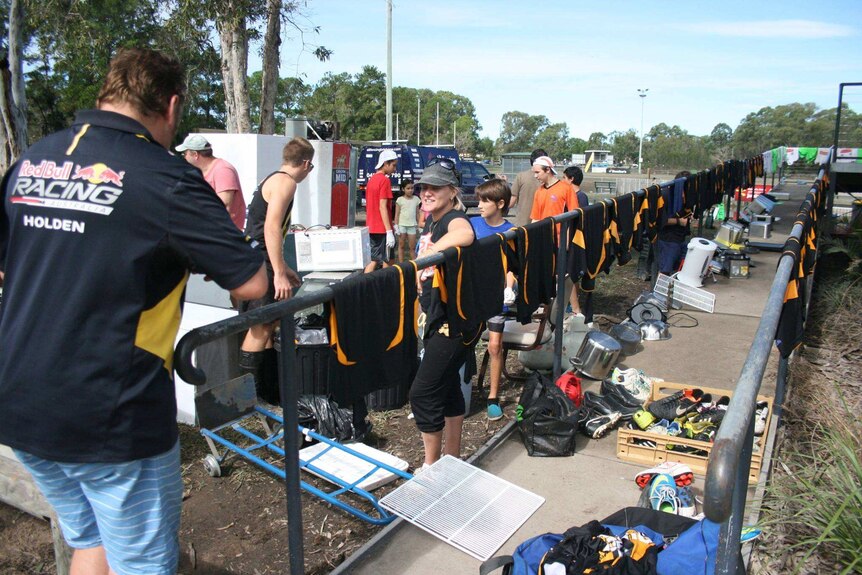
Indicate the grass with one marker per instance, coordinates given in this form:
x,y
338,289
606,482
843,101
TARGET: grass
x,y
818,500
813,513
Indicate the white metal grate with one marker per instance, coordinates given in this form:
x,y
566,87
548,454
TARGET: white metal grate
x,y
464,506
684,294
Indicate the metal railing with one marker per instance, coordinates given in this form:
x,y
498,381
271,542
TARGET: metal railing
x,y
284,313
733,444
726,486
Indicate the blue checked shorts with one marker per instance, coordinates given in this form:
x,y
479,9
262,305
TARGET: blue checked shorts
x,y
131,508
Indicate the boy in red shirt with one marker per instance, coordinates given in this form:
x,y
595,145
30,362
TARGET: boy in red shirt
x,y
554,197
378,204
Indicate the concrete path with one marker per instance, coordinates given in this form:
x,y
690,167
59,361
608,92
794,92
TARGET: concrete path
x,y
594,483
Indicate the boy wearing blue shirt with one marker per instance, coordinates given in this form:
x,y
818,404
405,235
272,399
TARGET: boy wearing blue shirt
x,y
494,197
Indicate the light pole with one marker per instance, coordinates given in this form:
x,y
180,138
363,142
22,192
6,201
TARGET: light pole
x,y
642,93
418,112
389,71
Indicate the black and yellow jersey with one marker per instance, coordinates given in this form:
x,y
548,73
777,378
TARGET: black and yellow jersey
x,y
625,225
372,328
591,248
535,248
99,229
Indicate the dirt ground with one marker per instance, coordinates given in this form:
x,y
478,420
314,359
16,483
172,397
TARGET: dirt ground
x,y
236,524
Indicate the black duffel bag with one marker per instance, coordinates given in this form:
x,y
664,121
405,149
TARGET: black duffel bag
x,y
547,419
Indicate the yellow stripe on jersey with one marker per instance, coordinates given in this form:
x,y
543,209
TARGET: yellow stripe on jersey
x,y
158,326
399,333
77,138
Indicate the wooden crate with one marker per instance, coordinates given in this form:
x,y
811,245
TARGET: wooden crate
x,y
630,448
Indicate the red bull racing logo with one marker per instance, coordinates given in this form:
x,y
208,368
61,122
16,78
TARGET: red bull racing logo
x,y
94,188
98,174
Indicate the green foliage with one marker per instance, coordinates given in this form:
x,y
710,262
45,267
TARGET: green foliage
x,y
794,125
624,146
821,499
672,148
290,94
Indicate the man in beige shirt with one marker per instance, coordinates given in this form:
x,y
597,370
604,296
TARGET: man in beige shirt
x,y
524,188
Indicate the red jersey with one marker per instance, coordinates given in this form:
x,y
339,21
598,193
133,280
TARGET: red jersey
x,y
378,188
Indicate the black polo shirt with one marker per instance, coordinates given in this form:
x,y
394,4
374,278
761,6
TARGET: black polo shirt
x,y
99,229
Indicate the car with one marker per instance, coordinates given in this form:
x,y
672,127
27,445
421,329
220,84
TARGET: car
x,y
472,174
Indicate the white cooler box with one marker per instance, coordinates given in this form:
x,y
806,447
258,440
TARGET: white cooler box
x,y
332,250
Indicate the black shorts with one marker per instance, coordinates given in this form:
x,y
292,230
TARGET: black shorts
x,y
268,297
436,390
379,251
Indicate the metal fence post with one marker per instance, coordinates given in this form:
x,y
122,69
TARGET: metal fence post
x,y
727,559
561,295
287,378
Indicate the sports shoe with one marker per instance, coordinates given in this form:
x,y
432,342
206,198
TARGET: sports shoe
x,y
760,415
634,381
686,506
626,411
680,472
749,533
494,412
597,403
659,427
598,425
663,494
620,393
643,419
676,405
717,412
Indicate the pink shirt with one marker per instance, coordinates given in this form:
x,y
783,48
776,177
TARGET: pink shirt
x,y
223,177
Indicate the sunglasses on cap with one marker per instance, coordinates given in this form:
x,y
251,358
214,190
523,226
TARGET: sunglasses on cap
x,y
445,163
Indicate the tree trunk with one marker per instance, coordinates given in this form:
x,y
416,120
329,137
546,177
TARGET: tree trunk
x,y
269,79
13,100
239,68
233,39
226,41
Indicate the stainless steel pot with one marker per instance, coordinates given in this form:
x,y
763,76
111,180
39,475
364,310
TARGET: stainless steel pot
x,y
597,355
629,337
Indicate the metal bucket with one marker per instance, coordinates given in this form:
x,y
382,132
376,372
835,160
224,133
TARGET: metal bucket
x,y
597,355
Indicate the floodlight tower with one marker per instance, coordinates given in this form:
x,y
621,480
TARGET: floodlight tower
x,y
642,93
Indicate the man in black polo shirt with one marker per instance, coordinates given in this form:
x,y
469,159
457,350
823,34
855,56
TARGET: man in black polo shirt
x,y
99,228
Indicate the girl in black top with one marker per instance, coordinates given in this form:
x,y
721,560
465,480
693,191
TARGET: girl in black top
x,y
435,395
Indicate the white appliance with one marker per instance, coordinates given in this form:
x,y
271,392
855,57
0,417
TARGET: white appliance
x,y
332,250
700,252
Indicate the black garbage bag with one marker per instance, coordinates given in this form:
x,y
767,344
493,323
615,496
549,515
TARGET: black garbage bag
x,y
547,419
330,420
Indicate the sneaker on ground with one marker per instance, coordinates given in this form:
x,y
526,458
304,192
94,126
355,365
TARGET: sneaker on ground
x,y
620,393
749,533
494,412
599,425
680,472
634,381
663,494
686,506
676,405
760,415
597,403
626,411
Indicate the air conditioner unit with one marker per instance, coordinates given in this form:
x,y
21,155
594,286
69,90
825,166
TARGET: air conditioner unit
x,y
332,250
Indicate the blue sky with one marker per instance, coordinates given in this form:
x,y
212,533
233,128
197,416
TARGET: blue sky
x,y
582,63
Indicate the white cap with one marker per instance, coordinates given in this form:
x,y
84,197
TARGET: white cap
x,y
545,161
385,156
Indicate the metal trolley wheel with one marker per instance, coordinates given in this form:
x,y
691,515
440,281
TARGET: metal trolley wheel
x,y
212,466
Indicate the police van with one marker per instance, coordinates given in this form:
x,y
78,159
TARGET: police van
x,y
411,163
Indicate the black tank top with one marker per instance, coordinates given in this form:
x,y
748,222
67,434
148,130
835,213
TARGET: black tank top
x,y
257,213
